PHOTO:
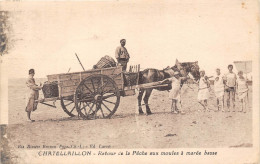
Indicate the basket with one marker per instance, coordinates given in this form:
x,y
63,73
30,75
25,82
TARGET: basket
x,y
50,89
106,62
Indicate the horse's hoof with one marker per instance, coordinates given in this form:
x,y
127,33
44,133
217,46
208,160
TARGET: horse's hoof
x,y
149,113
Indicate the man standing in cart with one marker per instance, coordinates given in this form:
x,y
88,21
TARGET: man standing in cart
x,y
122,55
32,95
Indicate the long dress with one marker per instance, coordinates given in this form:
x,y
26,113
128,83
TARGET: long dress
x,y
219,86
175,91
203,93
32,95
242,88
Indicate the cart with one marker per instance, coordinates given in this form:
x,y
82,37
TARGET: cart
x,y
94,93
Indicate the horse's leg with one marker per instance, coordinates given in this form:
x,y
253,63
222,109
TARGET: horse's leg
x,y
148,93
140,96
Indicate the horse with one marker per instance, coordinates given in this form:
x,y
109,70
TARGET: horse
x,y
154,75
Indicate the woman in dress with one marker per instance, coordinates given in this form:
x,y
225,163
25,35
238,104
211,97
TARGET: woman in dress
x,y
32,94
242,91
203,93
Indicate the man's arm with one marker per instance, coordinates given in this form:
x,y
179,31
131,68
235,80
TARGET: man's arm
x,y
117,53
225,79
222,78
32,85
235,83
128,55
166,80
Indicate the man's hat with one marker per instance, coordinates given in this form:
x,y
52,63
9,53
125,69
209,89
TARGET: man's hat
x,y
122,40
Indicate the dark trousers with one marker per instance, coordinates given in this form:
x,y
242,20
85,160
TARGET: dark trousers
x,y
230,92
123,62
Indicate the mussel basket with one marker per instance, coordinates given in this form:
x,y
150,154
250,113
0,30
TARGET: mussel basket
x,y
50,89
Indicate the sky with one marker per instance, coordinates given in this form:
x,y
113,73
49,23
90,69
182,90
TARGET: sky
x,y
46,36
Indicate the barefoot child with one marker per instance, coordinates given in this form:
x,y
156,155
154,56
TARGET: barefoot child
x,y
203,93
242,91
175,92
219,90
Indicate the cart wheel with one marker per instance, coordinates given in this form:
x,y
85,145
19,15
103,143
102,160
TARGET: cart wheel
x,y
68,105
97,96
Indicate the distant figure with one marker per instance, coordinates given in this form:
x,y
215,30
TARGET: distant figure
x,y
230,87
32,95
122,55
219,90
203,93
242,91
175,92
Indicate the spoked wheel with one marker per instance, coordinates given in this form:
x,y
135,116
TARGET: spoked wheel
x,y
97,96
68,105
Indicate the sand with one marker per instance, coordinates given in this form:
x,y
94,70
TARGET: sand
x,y
126,129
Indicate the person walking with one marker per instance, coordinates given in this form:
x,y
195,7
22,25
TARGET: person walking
x,y
122,55
32,94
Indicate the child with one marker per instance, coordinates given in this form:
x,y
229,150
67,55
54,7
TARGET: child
x,y
242,91
175,92
219,90
203,93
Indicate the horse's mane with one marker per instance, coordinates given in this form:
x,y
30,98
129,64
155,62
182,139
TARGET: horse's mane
x,y
186,65
149,69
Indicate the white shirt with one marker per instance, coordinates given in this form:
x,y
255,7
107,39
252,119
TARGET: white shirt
x,y
218,82
230,79
202,83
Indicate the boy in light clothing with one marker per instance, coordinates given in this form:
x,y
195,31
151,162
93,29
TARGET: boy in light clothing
x,y
219,90
203,93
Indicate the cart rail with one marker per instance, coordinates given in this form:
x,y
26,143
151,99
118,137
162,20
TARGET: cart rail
x,y
68,82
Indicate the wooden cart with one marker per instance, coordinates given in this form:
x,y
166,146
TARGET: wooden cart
x,y
94,93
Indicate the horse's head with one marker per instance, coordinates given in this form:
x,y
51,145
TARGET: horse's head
x,y
187,67
168,71
195,70
178,67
